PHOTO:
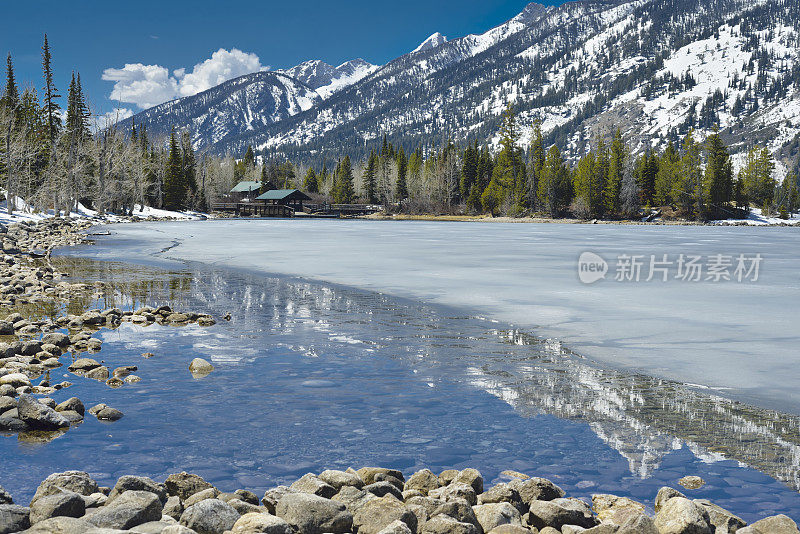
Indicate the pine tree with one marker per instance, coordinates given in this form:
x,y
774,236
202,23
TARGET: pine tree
x,y
10,97
310,181
174,192
188,164
51,107
688,190
370,178
755,177
667,176
537,159
616,169
401,189
343,182
249,158
469,170
554,188
718,179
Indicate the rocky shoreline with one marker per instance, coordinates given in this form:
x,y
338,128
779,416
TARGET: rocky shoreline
x,y
370,500
31,349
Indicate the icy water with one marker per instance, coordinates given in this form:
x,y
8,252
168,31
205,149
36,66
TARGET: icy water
x,y
740,338
313,375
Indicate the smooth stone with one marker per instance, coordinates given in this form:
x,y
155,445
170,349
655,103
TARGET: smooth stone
x,y
261,523
200,368
493,515
378,513
184,485
13,518
444,524
73,404
134,483
130,509
66,503
679,515
210,516
310,483
311,514
39,416
339,479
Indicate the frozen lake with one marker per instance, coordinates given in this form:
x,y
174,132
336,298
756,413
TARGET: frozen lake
x,y
737,337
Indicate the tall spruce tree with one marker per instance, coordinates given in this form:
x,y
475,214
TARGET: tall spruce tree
x,y
343,182
310,183
370,178
554,187
174,190
537,160
51,107
617,162
401,188
718,179
10,97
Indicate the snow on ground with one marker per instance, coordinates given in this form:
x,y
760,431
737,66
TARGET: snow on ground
x,y
756,218
738,337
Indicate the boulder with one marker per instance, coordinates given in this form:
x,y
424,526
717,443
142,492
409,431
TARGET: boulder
x,y
130,509
457,509
444,524
261,523
721,519
84,365
56,338
5,497
101,373
61,525
778,524
378,513
13,518
447,476
208,493
200,368
247,496
679,515
134,483
185,485
536,489
510,529
39,416
339,479
106,413
605,505
455,491
396,527
493,515
173,507
75,481
177,529
423,480
471,477
310,483
503,493
65,503
210,516
15,380
312,514
379,489
692,482
664,494
353,498
559,512
245,507
367,474
272,496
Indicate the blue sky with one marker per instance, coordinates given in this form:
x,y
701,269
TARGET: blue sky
x,y
160,37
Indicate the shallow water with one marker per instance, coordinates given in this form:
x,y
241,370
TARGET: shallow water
x,y
740,338
312,376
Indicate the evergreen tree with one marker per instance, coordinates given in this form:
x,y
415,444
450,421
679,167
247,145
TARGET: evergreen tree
x,y
188,164
508,174
616,169
343,182
755,177
51,107
667,175
174,191
370,178
249,158
401,188
718,179
688,190
310,182
10,97
537,160
554,188
469,170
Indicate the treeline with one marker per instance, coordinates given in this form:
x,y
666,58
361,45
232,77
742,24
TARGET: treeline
x,y
60,158
694,180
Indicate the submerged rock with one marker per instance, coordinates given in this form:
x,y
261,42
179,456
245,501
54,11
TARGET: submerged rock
x,y
200,368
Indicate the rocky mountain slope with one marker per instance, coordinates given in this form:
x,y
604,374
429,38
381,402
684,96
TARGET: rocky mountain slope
x,y
655,68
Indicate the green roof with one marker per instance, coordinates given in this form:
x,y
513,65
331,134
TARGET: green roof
x,y
246,187
280,194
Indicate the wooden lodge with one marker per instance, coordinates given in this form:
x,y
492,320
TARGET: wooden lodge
x,y
244,200
293,198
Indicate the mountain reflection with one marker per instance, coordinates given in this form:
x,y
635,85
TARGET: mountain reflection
x,y
641,417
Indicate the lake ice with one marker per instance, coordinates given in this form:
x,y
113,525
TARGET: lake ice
x,y
740,338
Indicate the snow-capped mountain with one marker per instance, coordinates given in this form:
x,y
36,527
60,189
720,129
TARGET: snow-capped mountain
x,y
431,42
325,79
654,68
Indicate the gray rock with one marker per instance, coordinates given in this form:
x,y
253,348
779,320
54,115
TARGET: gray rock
x,y
423,480
378,513
185,485
38,416
339,479
84,365
471,477
495,514
560,512
61,525
261,523
177,529
664,494
106,413
73,404
75,481
396,527
536,489
244,508
15,380
310,483
444,524
200,368
311,514
173,508
367,474
503,493
510,529
379,489
394,481
56,338
353,498
12,424
210,516
130,509
722,520
458,509
7,390
209,493
5,497
6,404
65,503
272,496
679,515
134,483
778,524
247,496
13,518
455,491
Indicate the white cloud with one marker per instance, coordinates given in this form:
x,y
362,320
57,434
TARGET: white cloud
x,y
150,85
113,117
222,66
143,85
